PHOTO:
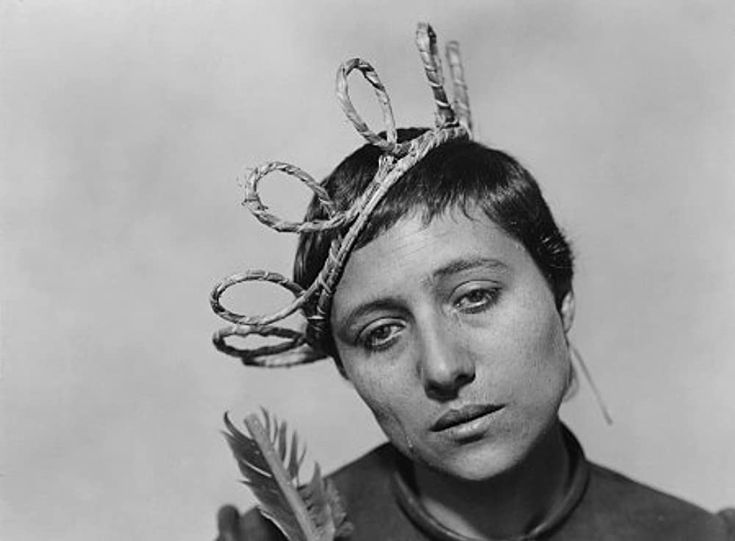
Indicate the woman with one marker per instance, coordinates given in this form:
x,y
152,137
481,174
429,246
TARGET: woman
x,y
448,311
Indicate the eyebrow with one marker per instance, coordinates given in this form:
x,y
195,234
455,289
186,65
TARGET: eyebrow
x,y
453,267
465,264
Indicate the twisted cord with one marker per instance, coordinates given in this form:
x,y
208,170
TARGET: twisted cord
x,y
255,276
426,42
461,104
299,347
291,352
388,144
263,214
386,177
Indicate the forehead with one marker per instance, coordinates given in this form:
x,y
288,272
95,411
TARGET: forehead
x,y
413,250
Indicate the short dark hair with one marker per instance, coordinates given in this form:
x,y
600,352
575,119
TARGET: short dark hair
x,y
459,174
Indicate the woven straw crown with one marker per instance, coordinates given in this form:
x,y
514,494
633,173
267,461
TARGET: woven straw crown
x,y
452,122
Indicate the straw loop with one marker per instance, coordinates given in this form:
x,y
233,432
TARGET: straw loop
x,y
314,302
290,352
387,144
256,276
426,43
461,103
262,212
388,174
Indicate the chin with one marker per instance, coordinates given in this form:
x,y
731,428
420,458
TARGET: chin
x,y
487,458
483,464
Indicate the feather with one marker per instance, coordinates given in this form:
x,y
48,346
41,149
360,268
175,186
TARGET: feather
x,y
270,462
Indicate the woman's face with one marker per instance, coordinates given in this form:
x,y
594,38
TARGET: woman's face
x,y
450,335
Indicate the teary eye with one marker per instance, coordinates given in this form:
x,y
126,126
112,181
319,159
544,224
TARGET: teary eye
x,y
476,300
381,336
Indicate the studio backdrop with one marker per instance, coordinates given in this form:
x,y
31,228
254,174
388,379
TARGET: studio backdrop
x,y
125,127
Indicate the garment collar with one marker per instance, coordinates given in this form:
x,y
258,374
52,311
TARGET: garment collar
x,y
412,506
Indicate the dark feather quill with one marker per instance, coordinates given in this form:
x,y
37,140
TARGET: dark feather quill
x,y
270,462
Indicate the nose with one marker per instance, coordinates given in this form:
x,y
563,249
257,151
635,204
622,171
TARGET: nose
x,y
444,365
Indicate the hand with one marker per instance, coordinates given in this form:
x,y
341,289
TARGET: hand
x,y
228,524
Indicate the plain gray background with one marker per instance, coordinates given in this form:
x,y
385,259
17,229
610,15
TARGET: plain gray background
x,y
124,126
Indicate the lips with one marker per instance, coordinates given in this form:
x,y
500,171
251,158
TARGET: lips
x,y
465,414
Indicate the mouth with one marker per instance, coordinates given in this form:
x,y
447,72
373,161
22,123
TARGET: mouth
x,y
463,415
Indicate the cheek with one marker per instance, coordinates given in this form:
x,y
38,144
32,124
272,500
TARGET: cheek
x,y
385,395
549,364
532,359
378,393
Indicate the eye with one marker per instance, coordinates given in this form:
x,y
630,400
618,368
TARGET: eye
x,y
381,336
476,300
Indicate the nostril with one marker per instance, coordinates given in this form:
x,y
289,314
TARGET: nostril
x,y
464,379
448,387
441,392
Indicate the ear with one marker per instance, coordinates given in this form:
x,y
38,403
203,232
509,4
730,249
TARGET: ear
x,y
566,311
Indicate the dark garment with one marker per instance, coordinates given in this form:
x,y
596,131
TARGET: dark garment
x,y
600,505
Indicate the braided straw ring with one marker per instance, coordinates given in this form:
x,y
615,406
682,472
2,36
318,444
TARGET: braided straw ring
x,y
297,347
343,96
461,99
257,276
254,357
262,213
384,179
426,43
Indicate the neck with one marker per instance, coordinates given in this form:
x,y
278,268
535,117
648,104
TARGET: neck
x,y
506,505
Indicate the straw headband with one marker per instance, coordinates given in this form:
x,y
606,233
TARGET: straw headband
x,y
452,122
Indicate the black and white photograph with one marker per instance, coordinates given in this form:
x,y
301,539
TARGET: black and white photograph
x,y
403,271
